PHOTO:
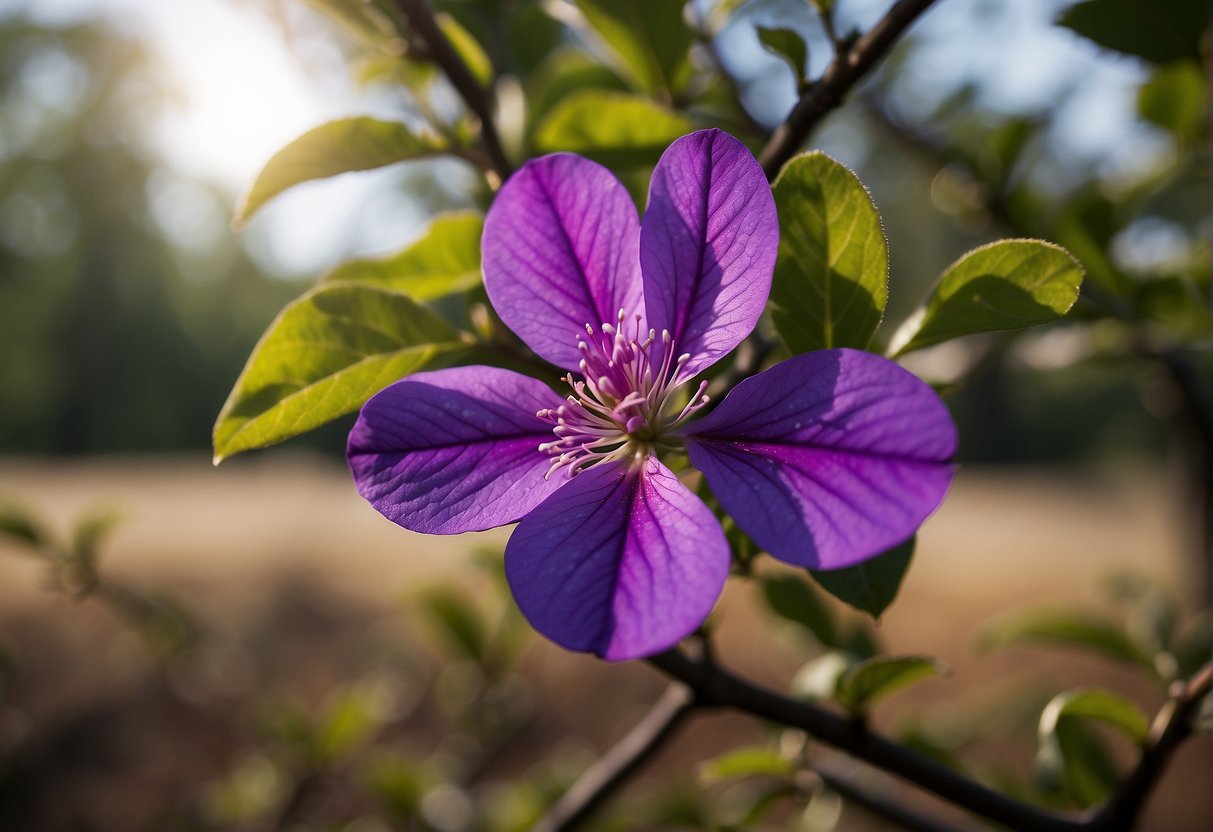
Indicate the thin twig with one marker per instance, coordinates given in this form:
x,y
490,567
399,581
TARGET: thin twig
x,y
421,19
828,92
613,768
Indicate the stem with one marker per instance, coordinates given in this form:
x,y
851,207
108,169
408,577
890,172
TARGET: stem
x,y
421,18
618,764
828,92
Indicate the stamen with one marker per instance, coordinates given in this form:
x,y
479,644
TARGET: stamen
x,y
624,400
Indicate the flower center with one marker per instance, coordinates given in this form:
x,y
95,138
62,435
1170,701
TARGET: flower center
x,y
626,401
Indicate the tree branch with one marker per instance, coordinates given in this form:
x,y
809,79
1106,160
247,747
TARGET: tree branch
x,y
893,810
613,768
828,92
421,19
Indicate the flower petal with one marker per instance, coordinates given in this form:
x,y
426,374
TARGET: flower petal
x,y
828,458
708,243
560,251
622,562
454,450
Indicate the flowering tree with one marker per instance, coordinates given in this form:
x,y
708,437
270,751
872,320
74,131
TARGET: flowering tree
x,y
729,391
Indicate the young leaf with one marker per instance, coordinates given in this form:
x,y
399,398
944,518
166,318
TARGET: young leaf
x,y
616,129
446,259
1076,762
1069,628
648,36
1073,758
831,278
1104,706
872,585
753,761
789,45
455,616
16,522
818,680
336,147
791,598
1159,31
878,677
324,356
467,47
1010,284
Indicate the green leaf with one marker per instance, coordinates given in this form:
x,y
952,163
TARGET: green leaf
x,y
789,45
1104,706
324,356
880,676
446,259
817,681
1071,757
467,47
831,278
1010,284
872,585
791,598
455,616
616,129
648,37
336,147
562,73
349,721
1075,761
1067,628
92,529
1176,98
18,523
753,761
1159,30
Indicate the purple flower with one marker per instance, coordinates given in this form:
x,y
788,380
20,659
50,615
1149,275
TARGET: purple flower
x,y
824,460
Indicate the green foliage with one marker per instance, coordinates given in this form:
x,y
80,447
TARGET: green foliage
x,y
468,49
1075,628
1176,98
18,523
455,616
788,45
831,277
1010,284
818,680
749,761
323,357
791,598
1159,31
875,678
648,37
365,22
616,129
1074,760
340,146
444,260
872,585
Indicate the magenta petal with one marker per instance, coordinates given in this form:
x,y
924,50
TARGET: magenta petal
x,y
828,458
454,450
560,250
621,562
708,243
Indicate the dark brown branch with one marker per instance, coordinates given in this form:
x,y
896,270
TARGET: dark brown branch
x,y
828,92
421,20
718,688
613,768
892,810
